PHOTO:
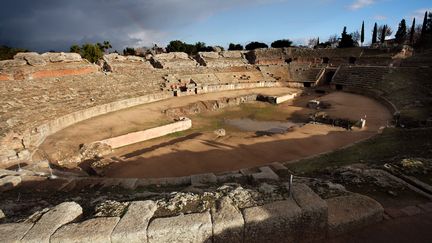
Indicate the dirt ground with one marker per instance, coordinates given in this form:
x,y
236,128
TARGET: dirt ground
x,y
199,150
66,142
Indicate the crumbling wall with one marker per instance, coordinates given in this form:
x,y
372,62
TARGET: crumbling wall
x,y
31,65
222,59
173,60
122,64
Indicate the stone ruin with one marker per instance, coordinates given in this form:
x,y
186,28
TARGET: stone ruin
x,y
42,94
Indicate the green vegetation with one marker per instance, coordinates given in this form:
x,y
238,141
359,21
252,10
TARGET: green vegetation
x,y
375,34
362,34
255,45
281,43
425,40
9,52
179,46
412,32
235,47
129,51
346,40
401,33
91,52
392,145
385,31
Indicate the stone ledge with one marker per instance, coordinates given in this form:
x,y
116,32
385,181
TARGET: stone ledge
x,y
271,222
228,222
133,225
93,230
346,213
14,232
52,220
184,228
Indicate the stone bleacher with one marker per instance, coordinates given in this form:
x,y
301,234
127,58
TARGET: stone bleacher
x,y
359,77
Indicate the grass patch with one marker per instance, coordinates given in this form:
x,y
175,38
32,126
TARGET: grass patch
x,y
392,145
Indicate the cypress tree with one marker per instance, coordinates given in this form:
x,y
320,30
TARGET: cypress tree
x,y
362,34
375,34
383,33
412,32
424,27
401,32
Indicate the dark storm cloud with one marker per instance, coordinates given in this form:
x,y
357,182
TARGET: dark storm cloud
x,y
56,24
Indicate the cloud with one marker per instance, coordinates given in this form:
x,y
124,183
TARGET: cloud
x,y
419,13
57,24
380,17
359,4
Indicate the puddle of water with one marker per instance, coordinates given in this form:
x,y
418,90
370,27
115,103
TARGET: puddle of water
x,y
260,127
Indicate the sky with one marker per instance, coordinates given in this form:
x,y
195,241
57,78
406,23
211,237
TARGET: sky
x,y
43,25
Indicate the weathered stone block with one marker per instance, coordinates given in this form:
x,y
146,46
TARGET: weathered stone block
x,y
203,179
133,225
276,222
52,220
314,213
93,230
184,228
32,58
346,213
266,174
13,232
12,63
228,223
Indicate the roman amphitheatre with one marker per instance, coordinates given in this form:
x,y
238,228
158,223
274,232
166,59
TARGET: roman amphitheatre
x,y
273,144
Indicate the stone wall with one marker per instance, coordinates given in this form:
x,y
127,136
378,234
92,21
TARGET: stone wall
x,y
31,65
222,59
124,64
173,60
140,136
302,217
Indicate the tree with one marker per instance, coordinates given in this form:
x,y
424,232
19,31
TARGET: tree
x,y
7,52
255,45
401,33
362,34
346,40
129,51
105,46
235,47
91,52
424,27
356,36
385,31
281,43
375,34
426,32
313,42
180,46
75,48
333,39
412,32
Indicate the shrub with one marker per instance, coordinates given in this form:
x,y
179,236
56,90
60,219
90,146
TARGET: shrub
x,y
235,47
255,45
281,43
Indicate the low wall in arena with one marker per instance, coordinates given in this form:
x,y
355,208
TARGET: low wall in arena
x,y
136,137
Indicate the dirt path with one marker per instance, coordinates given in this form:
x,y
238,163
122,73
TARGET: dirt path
x,y
203,152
